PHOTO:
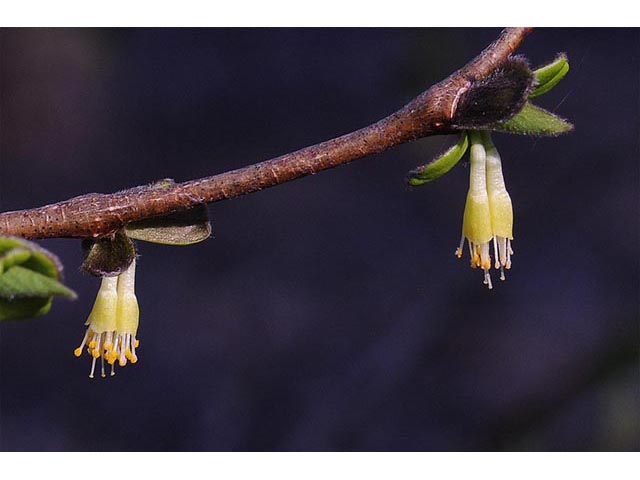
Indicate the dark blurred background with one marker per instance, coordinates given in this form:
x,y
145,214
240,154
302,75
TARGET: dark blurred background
x,y
328,313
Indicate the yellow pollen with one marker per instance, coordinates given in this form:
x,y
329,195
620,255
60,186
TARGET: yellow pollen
x,y
134,359
136,343
92,344
77,352
108,346
95,353
122,362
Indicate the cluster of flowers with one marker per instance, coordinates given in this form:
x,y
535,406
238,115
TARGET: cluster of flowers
x,y
113,323
488,213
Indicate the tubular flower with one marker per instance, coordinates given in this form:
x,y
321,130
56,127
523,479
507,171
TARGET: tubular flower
x,y
488,214
113,323
500,207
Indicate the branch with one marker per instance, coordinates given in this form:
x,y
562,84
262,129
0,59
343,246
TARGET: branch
x,y
98,215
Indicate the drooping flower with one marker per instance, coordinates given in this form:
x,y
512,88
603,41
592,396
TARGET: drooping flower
x,y
500,207
476,223
113,323
127,316
488,213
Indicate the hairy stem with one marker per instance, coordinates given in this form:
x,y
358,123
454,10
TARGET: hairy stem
x,y
98,215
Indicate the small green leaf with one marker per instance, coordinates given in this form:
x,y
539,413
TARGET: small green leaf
x,y
108,257
534,121
440,165
30,277
15,256
550,75
41,260
20,282
180,228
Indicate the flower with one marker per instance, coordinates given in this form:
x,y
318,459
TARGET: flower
x,y
500,206
113,323
488,213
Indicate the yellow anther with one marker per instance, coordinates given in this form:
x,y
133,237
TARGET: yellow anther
x,y
134,359
123,362
108,346
127,354
92,344
77,352
95,353
136,344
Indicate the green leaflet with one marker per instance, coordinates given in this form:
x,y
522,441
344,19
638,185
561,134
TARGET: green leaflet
x,y
29,279
20,282
13,257
550,75
180,228
535,121
440,165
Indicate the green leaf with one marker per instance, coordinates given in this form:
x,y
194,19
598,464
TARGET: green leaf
x,y
534,121
40,260
30,277
15,256
550,75
180,228
108,257
20,282
440,165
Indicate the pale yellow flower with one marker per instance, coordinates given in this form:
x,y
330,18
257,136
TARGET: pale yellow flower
x,y
113,323
488,214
